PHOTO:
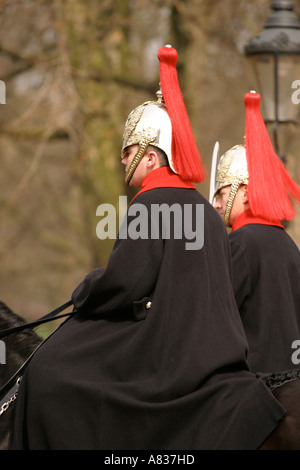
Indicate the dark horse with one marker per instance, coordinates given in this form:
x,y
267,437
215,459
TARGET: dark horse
x,y
18,347
284,385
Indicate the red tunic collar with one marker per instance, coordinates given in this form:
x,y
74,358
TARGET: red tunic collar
x,y
163,177
246,218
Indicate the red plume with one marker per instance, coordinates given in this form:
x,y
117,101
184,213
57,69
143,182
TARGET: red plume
x,y
270,187
185,154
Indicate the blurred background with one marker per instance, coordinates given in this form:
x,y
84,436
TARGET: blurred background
x,y
73,71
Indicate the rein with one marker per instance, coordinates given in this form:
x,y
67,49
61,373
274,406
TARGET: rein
x,y
10,388
44,319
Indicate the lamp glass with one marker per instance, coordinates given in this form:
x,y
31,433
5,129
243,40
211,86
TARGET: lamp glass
x,y
288,70
264,70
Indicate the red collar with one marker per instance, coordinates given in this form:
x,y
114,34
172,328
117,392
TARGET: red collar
x,y
163,177
246,218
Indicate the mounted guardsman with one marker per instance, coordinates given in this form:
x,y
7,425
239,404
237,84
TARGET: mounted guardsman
x,y
253,194
155,356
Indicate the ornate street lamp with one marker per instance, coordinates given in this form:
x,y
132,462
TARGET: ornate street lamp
x,y
275,55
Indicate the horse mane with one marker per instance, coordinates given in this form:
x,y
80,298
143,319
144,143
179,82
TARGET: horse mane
x,y
18,347
21,343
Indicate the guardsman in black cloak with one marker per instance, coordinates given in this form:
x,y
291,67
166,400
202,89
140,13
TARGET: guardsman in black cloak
x,y
253,195
155,356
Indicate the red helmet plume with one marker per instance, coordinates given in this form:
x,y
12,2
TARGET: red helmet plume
x,y
186,157
270,187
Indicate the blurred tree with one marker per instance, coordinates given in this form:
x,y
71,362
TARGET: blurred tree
x,y
73,71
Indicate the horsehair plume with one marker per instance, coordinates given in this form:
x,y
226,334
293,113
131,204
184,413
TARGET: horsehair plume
x,y
270,187
186,156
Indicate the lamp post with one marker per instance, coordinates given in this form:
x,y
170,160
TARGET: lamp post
x,y
275,55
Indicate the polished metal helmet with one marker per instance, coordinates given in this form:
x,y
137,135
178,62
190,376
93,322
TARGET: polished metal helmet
x,y
232,171
148,124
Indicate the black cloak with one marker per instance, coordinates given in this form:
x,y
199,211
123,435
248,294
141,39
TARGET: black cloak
x,y
266,280
124,373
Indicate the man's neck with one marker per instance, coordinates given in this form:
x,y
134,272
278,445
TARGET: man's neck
x,y
163,177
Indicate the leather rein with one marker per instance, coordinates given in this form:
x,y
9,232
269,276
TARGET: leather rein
x,y
10,388
46,318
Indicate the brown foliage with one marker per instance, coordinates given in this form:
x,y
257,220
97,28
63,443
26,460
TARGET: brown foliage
x,y
73,71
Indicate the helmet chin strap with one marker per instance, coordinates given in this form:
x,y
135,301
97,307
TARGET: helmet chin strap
x,y
136,160
234,187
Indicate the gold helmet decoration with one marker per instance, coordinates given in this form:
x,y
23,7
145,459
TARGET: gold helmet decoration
x,y
148,124
232,171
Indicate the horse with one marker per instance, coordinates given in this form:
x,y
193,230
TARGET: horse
x,y
285,386
18,347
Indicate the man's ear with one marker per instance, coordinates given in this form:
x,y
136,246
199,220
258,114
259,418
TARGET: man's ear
x,y
245,194
152,159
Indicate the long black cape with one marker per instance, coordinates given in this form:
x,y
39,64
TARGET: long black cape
x,y
119,375
266,280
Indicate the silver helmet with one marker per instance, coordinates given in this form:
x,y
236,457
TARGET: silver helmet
x,y
232,171
148,124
